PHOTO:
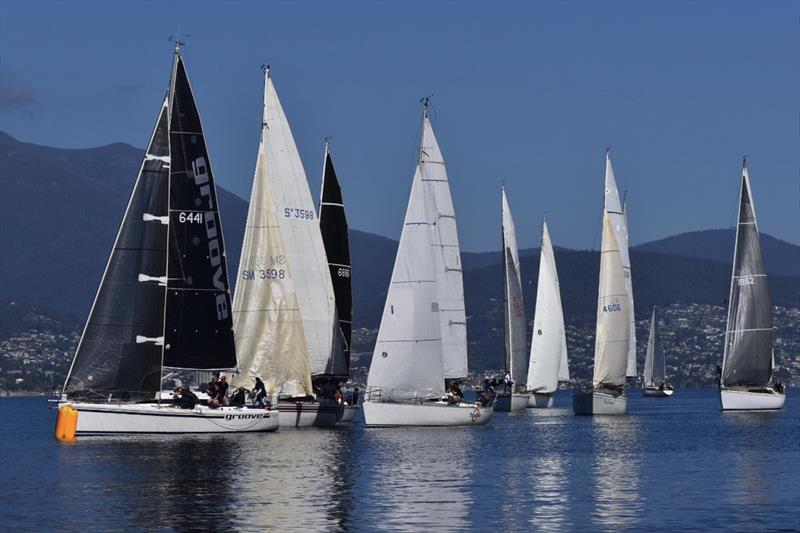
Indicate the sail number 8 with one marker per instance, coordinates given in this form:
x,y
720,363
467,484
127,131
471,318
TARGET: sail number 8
x,y
304,214
191,218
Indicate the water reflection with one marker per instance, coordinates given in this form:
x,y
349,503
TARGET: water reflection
x,y
547,471
616,470
420,477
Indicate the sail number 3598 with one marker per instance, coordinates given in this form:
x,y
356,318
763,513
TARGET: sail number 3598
x,y
264,273
304,214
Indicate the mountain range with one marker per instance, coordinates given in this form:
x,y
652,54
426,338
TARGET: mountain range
x,y
60,210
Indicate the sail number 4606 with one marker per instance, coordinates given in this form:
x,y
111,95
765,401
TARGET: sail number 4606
x,y
305,214
612,308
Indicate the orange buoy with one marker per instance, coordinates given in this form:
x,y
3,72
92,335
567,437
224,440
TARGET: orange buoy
x,y
66,423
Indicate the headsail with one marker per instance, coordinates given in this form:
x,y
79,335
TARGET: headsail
x,y
302,240
407,361
514,309
449,279
119,352
654,364
333,225
612,336
619,222
748,359
267,322
548,356
198,330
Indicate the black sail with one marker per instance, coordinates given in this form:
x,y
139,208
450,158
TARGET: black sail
x,y
198,328
333,225
119,354
748,347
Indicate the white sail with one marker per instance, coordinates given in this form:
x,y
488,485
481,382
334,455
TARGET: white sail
x,y
619,222
515,325
654,359
612,336
449,279
299,229
548,357
268,325
407,361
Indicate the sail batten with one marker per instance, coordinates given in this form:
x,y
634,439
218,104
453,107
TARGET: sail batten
x,y
548,355
748,354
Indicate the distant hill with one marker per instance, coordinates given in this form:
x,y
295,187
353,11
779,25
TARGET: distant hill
x,y
780,257
60,209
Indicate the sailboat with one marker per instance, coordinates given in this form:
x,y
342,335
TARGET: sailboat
x,y
612,334
333,225
422,337
513,398
655,381
548,358
163,302
286,316
749,359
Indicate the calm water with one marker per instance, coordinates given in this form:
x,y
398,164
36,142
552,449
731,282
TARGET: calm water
x,y
670,465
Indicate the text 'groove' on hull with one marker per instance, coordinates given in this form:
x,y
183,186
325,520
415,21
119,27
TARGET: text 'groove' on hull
x,y
599,403
766,399
386,414
110,419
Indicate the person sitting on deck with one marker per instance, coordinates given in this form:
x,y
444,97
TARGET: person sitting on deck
x,y
218,400
184,398
212,387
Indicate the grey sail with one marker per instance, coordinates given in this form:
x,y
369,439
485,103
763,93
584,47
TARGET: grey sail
x,y
654,363
119,354
747,360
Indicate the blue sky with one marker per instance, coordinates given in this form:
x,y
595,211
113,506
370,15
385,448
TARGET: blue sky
x,y
529,93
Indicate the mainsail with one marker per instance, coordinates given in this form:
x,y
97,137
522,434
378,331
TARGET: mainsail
x,y
619,222
654,364
302,240
514,309
612,335
548,356
748,358
333,225
449,279
267,322
163,299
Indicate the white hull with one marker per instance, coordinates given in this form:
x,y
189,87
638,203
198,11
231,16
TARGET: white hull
x,y
511,402
744,400
657,393
599,403
432,414
540,400
109,418
348,413
307,414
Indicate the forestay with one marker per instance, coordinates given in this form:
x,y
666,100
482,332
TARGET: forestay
x,y
748,358
548,356
514,309
447,254
296,216
267,321
612,336
619,222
